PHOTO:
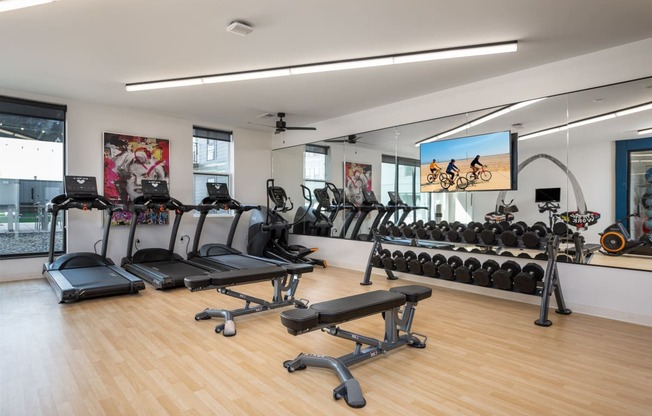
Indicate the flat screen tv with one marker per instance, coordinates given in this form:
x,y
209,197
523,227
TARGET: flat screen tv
x,y
547,195
496,151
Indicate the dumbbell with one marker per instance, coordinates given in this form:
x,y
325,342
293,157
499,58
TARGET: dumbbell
x,y
532,237
430,268
464,273
425,231
409,230
504,277
524,255
416,265
454,233
526,281
509,236
401,262
482,277
384,229
541,256
389,262
507,254
439,231
561,229
447,270
491,230
377,259
470,235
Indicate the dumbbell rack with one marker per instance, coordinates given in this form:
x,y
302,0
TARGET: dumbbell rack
x,y
551,283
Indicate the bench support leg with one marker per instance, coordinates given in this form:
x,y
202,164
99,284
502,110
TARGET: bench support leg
x,y
279,300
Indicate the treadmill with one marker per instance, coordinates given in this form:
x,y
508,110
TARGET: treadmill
x,y
78,276
161,267
219,256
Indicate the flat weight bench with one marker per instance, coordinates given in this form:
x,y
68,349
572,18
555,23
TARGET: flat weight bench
x,y
327,315
283,291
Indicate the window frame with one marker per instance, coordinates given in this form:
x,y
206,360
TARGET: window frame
x,y
216,135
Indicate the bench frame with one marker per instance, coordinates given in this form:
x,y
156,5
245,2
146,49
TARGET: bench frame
x,y
283,296
398,333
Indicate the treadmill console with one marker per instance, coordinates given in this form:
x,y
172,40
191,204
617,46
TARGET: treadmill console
x,y
369,197
218,192
277,195
81,187
394,198
322,197
155,190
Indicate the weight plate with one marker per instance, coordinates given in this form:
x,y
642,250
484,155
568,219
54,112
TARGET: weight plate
x,y
424,257
491,265
455,261
534,270
511,266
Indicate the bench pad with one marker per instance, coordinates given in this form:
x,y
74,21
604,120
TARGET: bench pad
x,y
342,310
234,277
413,293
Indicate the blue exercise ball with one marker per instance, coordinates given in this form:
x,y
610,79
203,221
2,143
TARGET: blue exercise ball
x,y
646,200
648,213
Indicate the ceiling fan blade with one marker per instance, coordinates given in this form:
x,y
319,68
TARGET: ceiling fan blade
x,y
278,131
300,128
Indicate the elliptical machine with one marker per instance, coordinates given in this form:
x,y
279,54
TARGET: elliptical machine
x,y
312,221
268,231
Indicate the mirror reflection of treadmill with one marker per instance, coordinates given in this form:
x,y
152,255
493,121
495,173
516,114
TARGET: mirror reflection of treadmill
x,y
78,276
161,267
369,204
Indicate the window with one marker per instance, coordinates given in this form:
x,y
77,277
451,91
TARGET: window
x,y
211,160
31,173
401,175
315,166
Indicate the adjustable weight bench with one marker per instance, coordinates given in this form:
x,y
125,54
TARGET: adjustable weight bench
x,y
327,315
279,275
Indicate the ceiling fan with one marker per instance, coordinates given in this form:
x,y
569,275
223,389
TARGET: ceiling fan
x,y
281,126
351,139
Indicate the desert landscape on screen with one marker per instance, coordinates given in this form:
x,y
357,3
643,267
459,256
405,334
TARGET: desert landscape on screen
x,y
498,165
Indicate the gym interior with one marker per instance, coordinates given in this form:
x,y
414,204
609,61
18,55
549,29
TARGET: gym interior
x,y
521,291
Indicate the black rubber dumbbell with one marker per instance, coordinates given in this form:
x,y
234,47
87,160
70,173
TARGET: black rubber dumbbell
x,y
439,231
423,233
453,234
507,254
401,262
389,262
409,230
415,266
430,268
377,259
509,236
384,229
464,273
483,276
504,277
490,233
527,280
535,235
447,270
524,255
541,256
472,231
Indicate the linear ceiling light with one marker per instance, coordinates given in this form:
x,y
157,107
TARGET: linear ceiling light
x,y
590,120
6,5
476,50
645,131
483,119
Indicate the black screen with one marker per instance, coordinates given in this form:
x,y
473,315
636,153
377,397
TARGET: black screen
x,y
81,187
547,195
155,190
370,197
218,192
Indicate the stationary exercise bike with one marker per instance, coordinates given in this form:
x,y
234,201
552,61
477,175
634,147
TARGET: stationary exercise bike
x,y
616,240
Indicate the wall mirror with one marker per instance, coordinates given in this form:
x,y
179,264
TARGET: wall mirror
x,y
567,143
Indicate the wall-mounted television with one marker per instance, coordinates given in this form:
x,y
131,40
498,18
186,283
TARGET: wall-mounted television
x,y
497,152
547,195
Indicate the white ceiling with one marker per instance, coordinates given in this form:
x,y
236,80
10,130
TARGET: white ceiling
x,y
86,50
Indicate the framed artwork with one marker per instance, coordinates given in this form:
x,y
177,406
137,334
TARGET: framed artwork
x,y
127,161
358,179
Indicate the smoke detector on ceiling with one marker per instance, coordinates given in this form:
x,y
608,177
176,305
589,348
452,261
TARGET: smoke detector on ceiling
x,y
239,28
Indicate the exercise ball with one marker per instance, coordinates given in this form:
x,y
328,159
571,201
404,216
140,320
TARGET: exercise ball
x,y
647,226
646,200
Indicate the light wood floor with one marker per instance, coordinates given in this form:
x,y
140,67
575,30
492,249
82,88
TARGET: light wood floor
x,y
146,355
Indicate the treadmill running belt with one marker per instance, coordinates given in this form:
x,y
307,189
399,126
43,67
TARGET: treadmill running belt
x,y
237,261
94,277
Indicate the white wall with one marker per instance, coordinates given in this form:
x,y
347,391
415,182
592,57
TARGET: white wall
x,y
85,124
